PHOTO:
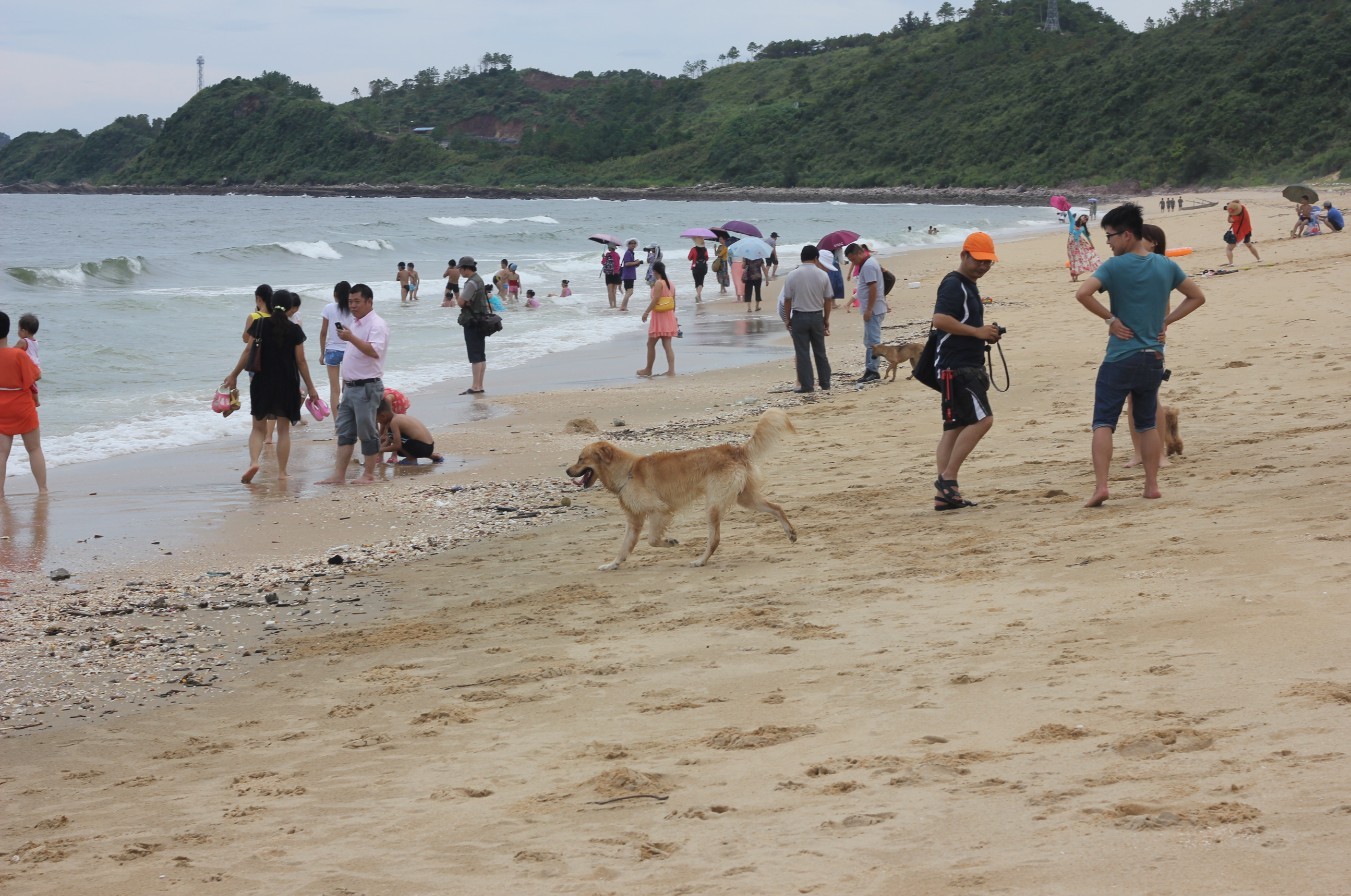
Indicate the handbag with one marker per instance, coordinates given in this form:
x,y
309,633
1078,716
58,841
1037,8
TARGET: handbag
x,y
716,265
664,303
925,371
489,324
255,362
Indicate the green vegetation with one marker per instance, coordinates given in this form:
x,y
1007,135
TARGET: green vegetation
x,y
1227,91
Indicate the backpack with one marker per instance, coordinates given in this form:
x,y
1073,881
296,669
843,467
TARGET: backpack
x,y
888,282
607,263
924,370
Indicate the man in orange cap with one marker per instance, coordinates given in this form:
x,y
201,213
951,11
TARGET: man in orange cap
x,y
959,360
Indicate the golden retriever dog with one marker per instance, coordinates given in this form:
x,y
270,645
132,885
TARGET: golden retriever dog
x,y
1168,430
897,354
657,486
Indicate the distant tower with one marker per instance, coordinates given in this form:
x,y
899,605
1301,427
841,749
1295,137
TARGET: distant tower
x,y
1052,16
201,62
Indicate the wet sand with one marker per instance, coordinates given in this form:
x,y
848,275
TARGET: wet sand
x,y
1023,697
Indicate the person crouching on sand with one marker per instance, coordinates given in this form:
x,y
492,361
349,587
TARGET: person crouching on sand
x,y
405,437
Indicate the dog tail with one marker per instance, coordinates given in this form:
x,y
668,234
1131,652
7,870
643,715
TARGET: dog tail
x,y
773,424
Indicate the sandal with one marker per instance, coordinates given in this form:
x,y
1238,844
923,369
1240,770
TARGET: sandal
x,y
948,497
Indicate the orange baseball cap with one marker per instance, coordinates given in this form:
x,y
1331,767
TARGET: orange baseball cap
x,y
980,246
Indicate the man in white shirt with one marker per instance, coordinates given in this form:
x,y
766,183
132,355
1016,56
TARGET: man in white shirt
x,y
363,367
872,304
806,305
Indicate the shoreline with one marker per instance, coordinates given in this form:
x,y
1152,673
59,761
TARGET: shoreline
x,y
1019,195
964,694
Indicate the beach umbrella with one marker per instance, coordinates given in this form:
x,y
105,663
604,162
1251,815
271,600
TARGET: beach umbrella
x,y
1060,203
605,238
741,227
750,247
1300,193
834,240
700,233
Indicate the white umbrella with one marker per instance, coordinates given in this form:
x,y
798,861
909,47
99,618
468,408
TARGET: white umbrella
x,y
750,247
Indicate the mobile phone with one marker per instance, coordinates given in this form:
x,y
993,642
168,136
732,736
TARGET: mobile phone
x,y
338,325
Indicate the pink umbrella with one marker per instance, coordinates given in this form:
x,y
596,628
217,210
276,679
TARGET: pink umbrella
x,y
1060,203
700,233
743,228
605,238
832,241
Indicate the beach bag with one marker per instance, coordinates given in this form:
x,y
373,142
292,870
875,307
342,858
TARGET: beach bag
x,y
716,265
925,371
1230,238
664,303
888,282
489,324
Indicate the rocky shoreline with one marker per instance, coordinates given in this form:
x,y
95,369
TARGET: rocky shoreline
x,y
1019,195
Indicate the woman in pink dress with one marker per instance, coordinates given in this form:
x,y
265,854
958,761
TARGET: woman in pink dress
x,y
663,324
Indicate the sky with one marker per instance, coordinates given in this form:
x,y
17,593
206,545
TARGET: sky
x,y
82,63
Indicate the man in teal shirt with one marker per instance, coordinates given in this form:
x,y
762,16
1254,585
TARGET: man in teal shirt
x,y
1138,283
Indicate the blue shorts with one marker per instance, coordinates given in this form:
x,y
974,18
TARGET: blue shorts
x,y
333,357
1138,376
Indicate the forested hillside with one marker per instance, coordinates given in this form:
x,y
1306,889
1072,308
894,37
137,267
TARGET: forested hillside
x,y
1226,91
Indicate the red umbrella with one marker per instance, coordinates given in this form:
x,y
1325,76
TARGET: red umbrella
x,y
741,227
832,241
1060,203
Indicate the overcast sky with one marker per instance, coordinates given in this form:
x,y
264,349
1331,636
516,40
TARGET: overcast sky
x,y
82,63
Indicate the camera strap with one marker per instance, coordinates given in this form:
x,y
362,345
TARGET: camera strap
x,y
989,360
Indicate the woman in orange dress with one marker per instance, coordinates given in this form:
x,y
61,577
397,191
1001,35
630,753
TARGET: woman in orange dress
x,y
18,411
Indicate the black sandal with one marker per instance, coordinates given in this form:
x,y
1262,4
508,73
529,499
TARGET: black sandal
x,y
948,497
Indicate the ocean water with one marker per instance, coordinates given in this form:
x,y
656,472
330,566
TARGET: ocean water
x,y
142,299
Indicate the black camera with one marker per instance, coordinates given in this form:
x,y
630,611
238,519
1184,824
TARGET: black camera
x,y
1002,330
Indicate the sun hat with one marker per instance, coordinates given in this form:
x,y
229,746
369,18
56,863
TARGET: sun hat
x,y
467,261
980,247
633,242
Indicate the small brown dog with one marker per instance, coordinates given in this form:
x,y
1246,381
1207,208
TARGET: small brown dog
x,y
657,485
1168,430
896,354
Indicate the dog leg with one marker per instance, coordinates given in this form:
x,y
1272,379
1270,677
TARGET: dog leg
x,y
753,500
631,534
656,532
714,534
891,372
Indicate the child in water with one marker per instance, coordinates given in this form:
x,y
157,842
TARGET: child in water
x,y
28,342
530,300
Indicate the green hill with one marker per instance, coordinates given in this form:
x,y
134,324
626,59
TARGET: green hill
x,y
1227,91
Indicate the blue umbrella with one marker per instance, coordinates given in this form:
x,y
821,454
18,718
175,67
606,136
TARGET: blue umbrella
x,y
750,247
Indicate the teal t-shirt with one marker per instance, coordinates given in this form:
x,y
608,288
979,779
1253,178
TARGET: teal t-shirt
x,y
1138,286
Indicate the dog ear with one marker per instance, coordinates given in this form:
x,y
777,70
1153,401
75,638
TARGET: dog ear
x,y
605,451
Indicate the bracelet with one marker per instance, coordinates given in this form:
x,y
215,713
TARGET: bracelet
x,y
1110,319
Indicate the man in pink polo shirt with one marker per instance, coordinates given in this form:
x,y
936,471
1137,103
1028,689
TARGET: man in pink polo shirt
x,y
362,371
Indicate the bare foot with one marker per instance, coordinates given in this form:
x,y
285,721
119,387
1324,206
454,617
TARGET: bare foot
x,y
1133,462
643,372
363,480
332,480
1152,492
669,373
1164,462
1099,497
249,474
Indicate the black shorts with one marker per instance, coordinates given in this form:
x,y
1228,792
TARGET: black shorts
x,y
966,399
416,448
612,279
475,342
700,271
452,289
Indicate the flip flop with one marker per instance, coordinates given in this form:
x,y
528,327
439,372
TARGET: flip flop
x,y
472,392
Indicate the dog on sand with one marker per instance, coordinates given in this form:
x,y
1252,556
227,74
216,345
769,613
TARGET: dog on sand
x,y
1168,430
896,355
654,487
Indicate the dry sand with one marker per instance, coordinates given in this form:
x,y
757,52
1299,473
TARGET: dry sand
x,y
1027,697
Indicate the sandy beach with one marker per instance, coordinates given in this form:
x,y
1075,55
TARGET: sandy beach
x,y
426,686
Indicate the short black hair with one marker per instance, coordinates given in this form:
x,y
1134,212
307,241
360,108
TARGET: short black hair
x,y
29,322
851,249
810,253
1127,216
364,291
4,325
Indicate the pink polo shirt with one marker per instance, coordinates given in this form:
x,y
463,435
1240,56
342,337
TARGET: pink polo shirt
x,y
356,364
